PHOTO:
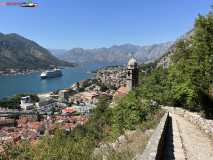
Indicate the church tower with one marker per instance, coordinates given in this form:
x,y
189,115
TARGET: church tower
x,y
132,74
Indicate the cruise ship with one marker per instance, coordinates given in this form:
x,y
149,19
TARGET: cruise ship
x,y
51,73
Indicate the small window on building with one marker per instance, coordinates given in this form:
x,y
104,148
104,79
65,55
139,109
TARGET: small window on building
x,y
128,73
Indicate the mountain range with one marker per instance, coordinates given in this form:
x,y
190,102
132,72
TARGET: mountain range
x,y
17,52
115,53
57,52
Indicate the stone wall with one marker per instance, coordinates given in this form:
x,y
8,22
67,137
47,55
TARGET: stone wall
x,y
154,148
204,124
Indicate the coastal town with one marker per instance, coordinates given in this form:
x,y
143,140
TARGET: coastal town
x,y
64,109
7,72
12,72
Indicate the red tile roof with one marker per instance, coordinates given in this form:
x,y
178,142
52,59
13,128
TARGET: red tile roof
x,y
36,125
122,89
23,120
120,92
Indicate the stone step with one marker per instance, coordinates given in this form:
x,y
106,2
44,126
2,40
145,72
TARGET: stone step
x,y
173,147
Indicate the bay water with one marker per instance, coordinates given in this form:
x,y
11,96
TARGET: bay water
x,y
32,83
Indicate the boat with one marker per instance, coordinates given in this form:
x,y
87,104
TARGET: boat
x,y
51,73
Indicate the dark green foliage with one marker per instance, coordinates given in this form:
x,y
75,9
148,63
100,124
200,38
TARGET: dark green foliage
x,y
130,111
103,87
71,92
14,102
146,68
188,82
14,116
40,117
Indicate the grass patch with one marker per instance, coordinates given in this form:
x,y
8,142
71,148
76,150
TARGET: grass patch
x,y
134,142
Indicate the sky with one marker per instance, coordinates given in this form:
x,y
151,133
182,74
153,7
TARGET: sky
x,y
66,24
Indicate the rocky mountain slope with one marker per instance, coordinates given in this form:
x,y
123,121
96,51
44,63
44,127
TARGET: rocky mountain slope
x,y
116,53
57,52
17,52
165,59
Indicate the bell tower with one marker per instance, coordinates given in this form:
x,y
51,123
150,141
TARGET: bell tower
x,y
132,74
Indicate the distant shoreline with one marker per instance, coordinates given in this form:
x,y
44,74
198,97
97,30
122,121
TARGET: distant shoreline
x,y
31,71
20,73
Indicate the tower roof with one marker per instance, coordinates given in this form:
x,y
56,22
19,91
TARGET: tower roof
x,y
132,62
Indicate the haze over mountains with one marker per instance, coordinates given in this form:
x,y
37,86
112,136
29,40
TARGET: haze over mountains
x,y
113,54
57,52
17,52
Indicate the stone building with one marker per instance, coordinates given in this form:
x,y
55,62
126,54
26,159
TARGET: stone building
x,y
7,123
63,94
26,103
132,75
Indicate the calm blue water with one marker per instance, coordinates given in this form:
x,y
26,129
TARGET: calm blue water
x,y
32,83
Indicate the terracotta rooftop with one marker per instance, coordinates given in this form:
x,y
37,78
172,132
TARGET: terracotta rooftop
x,y
36,125
31,119
23,120
122,89
120,92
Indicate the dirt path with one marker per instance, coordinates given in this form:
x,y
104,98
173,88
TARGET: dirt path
x,y
195,143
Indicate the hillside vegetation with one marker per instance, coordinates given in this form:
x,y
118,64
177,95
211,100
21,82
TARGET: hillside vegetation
x,y
188,82
19,53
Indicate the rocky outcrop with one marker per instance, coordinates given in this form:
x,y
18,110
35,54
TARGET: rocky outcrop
x,y
166,59
104,148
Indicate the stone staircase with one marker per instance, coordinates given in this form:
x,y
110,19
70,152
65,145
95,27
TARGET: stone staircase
x,y
173,146
181,135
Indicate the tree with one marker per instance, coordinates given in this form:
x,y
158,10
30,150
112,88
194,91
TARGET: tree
x,y
14,116
53,109
103,87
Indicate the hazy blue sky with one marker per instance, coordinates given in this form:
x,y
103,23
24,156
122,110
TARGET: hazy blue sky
x,y
66,24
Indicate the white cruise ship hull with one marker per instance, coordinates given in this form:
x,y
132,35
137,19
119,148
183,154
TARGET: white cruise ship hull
x,y
51,74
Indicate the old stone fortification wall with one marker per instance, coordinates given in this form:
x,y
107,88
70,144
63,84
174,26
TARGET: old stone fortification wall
x,y
154,148
204,124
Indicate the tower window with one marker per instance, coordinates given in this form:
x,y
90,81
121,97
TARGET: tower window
x,y
128,73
